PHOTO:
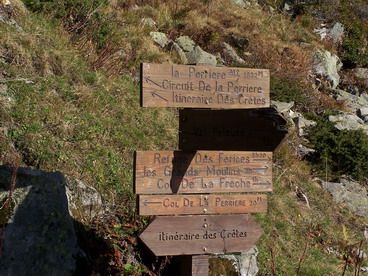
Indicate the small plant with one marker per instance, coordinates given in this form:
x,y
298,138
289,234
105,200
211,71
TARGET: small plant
x,y
339,152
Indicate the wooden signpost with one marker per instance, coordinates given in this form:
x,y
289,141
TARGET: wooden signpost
x,y
225,160
171,85
150,205
165,172
188,235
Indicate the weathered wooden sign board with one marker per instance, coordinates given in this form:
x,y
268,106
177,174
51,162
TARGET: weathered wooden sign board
x,y
202,204
247,129
187,235
166,172
171,85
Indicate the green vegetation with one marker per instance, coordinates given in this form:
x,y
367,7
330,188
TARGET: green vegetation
x,y
339,152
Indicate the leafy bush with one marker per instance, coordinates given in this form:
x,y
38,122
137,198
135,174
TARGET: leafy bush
x,y
287,90
339,152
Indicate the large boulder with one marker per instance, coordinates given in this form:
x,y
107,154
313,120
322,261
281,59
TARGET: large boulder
x,y
199,56
39,236
327,65
186,43
349,193
346,121
160,38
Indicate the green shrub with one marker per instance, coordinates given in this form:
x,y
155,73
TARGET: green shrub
x,y
339,152
287,90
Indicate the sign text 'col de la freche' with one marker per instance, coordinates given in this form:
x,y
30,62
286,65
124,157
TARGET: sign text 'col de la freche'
x,y
170,85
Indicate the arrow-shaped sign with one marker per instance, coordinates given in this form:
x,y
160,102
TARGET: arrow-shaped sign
x,y
187,235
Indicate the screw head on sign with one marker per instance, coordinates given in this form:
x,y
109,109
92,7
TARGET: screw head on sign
x,y
204,249
204,210
205,225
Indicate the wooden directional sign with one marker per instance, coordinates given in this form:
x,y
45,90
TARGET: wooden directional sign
x,y
171,85
187,235
202,204
166,172
252,130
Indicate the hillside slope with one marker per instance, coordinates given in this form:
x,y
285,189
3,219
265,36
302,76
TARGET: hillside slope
x,y
69,102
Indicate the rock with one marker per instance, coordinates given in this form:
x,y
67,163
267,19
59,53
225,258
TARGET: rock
x,y
186,43
39,235
199,56
160,38
238,41
364,269
361,73
303,151
244,263
363,113
348,121
148,22
303,124
349,193
84,201
180,53
231,54
353,102
282,107
327,65
337,32
240,3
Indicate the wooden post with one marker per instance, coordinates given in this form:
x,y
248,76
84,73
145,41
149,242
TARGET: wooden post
x,y
200,265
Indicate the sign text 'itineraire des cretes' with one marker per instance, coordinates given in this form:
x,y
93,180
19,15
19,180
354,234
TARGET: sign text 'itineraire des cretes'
x,y
182,172
172,85
150,205
187,235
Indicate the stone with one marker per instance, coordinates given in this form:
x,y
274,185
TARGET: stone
x,y
238,41
244,263
84,201
327,65
350,194
352,102
346,121
180,53
149,22
303,151
363,113
361,73
39,234
303,124
160,38
231,54
199,56
186,43
282,107
337,32
240,3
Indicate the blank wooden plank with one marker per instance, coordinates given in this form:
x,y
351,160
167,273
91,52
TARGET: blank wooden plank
x,y
166,172
204,86
188,235
150,205
247,130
